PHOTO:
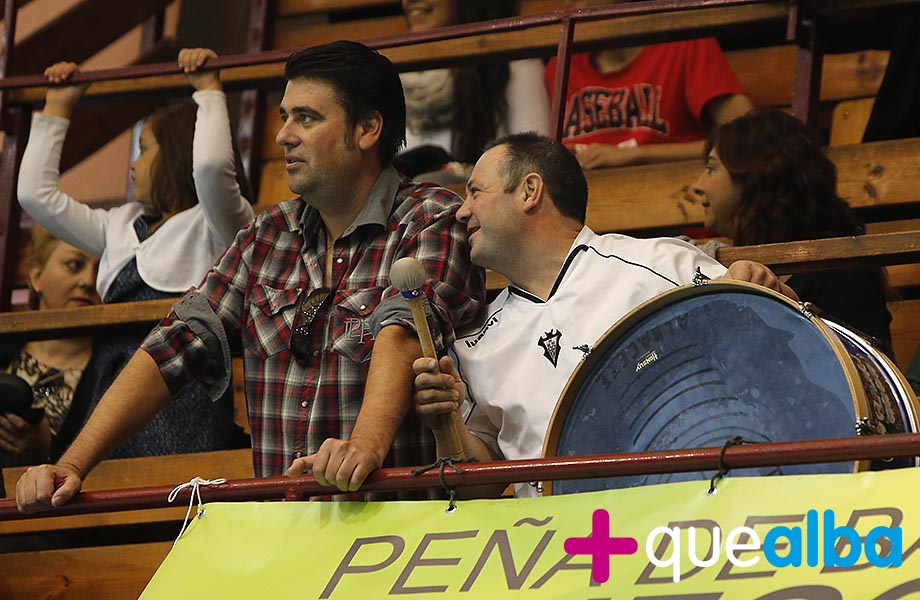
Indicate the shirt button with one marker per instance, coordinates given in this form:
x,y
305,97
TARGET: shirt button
x,y
298,454
339,260
315,353
363,306
304,403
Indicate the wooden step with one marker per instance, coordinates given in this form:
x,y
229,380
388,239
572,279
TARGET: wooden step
x,y
97,573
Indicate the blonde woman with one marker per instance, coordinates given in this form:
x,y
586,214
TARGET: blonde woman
x,y
60,276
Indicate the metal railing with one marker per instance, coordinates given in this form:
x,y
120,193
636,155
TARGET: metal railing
x,y
546,469
802,19
18,94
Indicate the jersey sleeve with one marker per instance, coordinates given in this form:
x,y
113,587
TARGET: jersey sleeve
x,y
707,75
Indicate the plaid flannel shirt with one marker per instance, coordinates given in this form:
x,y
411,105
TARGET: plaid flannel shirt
x,y
251,295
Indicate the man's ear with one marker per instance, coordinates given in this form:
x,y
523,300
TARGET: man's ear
x,y
368,131
532,190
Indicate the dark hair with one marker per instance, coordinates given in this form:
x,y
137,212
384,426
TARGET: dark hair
x,y
788,185
364,80
565,181
480,105
172,185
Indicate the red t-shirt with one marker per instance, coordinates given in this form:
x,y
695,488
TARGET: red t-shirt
x,y
658,97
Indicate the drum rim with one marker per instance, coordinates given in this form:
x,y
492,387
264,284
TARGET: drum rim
x,y
889,366
624,324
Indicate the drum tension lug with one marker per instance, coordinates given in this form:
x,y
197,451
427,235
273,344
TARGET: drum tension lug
x,y
585,350
865,427
808,309
699,278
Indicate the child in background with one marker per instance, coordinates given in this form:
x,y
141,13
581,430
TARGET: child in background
x,y
645,104
191,201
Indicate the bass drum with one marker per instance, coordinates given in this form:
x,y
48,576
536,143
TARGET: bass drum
x,y
697,365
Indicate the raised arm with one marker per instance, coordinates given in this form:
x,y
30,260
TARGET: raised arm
x,y
69,220
213,163
60,99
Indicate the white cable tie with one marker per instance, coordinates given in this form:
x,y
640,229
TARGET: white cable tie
x,y
195,483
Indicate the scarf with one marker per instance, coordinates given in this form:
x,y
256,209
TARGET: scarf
x,y
429,99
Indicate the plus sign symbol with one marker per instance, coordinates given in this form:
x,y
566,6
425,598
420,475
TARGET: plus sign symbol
x,y
601,546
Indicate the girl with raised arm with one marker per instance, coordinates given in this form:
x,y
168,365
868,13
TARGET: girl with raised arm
x,y
191,201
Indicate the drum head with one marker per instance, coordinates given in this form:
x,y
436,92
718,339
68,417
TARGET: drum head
x,y
698,365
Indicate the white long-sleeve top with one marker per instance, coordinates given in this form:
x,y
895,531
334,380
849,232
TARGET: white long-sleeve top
x,y
528,106
184,247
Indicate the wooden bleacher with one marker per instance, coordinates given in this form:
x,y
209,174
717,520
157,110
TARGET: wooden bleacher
x,y
765,72
75,569
636,200
847,79
620,198
653,198
86,573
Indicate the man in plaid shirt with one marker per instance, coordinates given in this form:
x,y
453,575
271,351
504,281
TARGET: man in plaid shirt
x,y
305,289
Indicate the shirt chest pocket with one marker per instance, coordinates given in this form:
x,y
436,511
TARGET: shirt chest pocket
x,y
353,311
272,313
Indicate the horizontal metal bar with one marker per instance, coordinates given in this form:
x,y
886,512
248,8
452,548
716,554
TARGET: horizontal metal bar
x,y
407,39
548,469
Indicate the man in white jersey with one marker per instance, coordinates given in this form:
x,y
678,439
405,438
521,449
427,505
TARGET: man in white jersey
x,y
525,213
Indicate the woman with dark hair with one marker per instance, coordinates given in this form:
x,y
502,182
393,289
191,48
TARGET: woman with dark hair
x,y
767,180
191,201
451,114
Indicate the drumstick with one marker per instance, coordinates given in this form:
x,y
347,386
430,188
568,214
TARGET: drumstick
x,y
408,276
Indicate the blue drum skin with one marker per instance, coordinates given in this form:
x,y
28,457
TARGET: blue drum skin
x,y
698,371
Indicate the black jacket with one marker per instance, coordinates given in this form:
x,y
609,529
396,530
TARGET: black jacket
x,y
78,408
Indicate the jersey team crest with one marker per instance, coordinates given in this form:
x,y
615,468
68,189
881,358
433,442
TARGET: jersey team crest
x,y
550,344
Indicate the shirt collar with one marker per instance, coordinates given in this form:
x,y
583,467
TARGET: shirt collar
x,y
376,209
584,238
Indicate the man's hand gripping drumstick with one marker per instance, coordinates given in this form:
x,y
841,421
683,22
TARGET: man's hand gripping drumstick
x,y
408,276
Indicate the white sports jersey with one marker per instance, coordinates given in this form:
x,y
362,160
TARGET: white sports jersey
x,y
518,361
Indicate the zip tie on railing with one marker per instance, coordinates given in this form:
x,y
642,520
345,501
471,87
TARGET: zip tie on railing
x,y
440,464
736,440
195,483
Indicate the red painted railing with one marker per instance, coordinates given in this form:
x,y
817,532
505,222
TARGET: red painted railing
x,y
548,469
801,27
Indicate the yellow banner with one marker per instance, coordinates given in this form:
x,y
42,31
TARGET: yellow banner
x,y
822,537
